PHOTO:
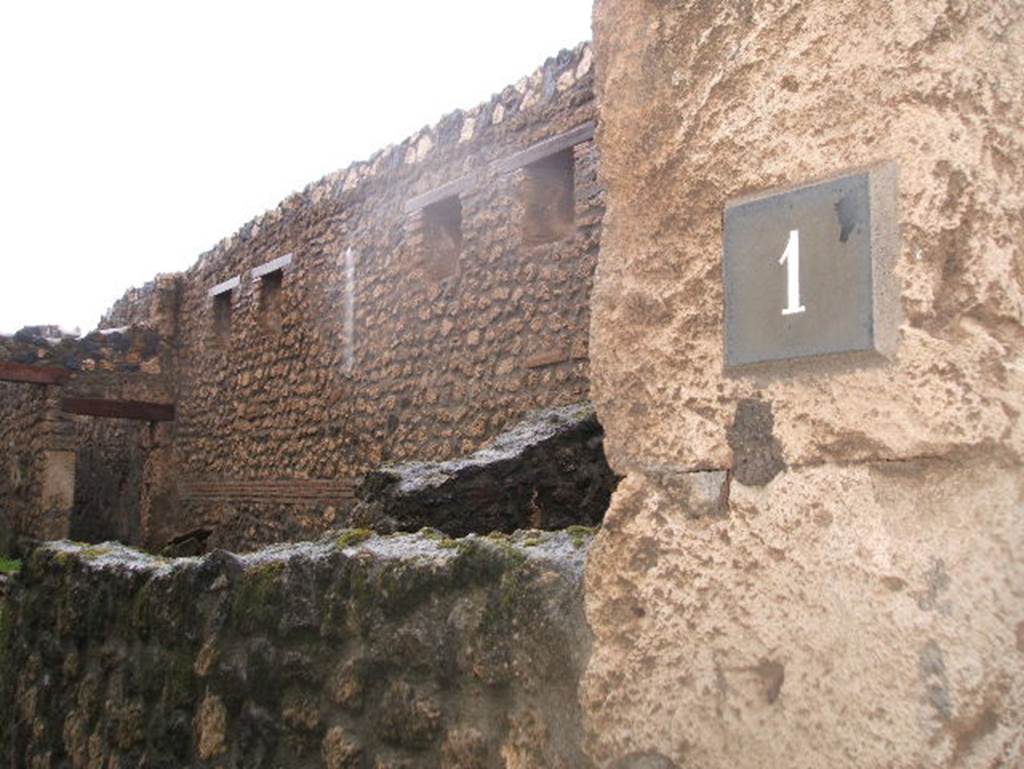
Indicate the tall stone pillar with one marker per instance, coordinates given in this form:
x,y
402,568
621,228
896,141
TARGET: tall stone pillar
x,y
159,519
56,462
816,563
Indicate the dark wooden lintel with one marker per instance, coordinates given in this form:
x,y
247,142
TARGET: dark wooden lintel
x,y
99,407
22,372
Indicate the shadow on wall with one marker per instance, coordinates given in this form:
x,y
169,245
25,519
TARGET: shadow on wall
x,y
108,482
6,538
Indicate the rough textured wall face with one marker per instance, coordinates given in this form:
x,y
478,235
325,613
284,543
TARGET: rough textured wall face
x,y
382,653
815,564
82,476
377,345
21,446
705,103
867,615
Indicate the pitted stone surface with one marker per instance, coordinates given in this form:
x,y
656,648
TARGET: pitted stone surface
x,y
857,604
349,652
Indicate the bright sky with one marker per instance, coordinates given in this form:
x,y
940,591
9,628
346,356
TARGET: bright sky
x,y
135,135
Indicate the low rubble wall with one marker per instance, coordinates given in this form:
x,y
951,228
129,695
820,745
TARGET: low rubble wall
x,y
355,651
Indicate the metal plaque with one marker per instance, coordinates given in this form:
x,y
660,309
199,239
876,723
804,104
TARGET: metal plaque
x,y
802,270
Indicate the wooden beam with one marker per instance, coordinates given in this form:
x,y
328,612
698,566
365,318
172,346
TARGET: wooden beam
x,y
98,407
22,372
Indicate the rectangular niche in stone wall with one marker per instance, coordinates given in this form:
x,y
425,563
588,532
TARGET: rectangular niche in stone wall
x,y
222,316
270,300
442,238
222,295
549,199
270,281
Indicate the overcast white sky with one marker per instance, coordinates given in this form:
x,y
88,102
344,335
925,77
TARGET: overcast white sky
x,y
135,135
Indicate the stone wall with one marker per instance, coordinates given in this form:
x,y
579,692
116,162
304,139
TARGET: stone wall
x,y
94,358
109,466
817,563
407,307
21,457
396,329
92,467
154,305
390,653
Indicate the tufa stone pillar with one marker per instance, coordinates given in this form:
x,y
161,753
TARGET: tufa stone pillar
x,y
813,564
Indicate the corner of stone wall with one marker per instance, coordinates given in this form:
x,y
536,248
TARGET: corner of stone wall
x,y
815,563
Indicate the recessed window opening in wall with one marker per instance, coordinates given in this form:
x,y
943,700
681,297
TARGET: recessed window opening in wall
x,y
222,316
442,238
222,296
270,299
549,198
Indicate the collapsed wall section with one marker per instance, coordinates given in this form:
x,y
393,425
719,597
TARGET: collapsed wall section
x,y
410,650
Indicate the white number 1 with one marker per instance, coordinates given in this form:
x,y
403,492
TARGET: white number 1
x,y
791,258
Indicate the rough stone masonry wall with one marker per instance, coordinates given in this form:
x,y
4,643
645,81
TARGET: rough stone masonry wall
x,y
110,459
858,601
98,465
437,357
380,653
21,459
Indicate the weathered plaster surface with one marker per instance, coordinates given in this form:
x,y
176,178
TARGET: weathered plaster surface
x,y
873,625
840,583
716,100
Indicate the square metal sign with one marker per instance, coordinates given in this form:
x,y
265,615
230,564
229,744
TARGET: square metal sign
x,y
808,270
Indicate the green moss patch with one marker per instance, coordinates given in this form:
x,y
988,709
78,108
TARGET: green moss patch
x,y
258,600
96,551
9,566
353,537
580,534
